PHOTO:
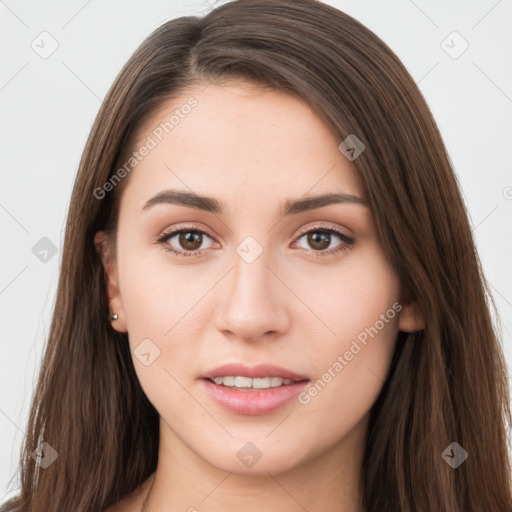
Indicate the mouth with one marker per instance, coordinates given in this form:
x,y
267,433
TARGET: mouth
x,y
242,383
240,375
253,390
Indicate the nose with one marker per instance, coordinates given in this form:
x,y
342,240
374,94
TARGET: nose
x,y
252,303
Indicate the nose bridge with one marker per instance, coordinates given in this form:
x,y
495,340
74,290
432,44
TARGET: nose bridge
x,y
250,273
253,304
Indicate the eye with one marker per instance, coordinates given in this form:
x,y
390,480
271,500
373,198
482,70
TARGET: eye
x,y
321,238
188,241
185,241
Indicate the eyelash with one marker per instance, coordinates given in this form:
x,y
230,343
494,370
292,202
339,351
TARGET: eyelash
x,y
347,241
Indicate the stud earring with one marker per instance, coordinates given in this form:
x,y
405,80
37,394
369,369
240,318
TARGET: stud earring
x,y
113,316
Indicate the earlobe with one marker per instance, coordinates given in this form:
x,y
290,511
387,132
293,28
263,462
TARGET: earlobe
x,y
411,318
116,313
118,322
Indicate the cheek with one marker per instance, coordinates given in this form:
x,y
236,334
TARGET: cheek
x,y
151,294
164,318
348,298
161,335
360,309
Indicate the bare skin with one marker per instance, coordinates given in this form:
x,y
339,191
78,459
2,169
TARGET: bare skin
x,y
134,501
253,150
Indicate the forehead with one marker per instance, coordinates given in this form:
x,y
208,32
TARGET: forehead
x,y
239,141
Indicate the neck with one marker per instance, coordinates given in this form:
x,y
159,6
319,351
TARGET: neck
x,y
185,481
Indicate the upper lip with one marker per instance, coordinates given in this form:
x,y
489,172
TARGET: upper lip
x,y
258,371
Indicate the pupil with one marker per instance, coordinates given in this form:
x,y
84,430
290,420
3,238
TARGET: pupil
x,y
319,240
190,240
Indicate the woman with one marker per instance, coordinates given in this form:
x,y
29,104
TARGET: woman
x,y
270,297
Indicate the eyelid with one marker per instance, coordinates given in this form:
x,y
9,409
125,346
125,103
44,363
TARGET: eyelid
x,y
183,226
194,227
324,225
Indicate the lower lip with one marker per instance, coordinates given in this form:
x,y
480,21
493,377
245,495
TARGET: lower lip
x,y
253,402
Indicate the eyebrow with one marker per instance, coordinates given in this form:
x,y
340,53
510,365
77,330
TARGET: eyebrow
x,y
210,204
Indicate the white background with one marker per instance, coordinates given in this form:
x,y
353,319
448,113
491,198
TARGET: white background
x,y
47,107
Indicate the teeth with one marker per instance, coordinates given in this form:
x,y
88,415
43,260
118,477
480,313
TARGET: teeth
x,y
247,382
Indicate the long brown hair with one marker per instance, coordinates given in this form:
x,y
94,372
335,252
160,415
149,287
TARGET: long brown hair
x,y
447,383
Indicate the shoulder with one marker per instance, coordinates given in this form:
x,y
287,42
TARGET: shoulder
x,y
9,506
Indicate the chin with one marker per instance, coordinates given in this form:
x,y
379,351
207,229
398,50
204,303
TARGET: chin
x,y
249,461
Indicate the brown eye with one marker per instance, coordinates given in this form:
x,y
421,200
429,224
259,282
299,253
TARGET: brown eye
x,y
185,242
319,240
190,240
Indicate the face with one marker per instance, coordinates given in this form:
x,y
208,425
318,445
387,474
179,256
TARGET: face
x,y
249,277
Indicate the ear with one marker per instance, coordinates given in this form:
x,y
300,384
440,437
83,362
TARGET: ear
x,y
104,248
411,318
